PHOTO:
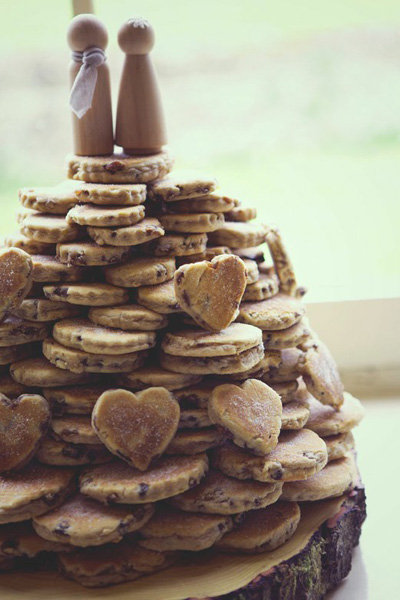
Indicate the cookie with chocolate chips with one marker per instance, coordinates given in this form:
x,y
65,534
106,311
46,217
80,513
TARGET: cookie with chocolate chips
x,y
15,278
88,254
128,317
86,294
64,454
141,271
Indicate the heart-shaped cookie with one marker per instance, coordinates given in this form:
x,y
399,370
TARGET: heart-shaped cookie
x,y
23,424
15,278
210,292
136,427
252,412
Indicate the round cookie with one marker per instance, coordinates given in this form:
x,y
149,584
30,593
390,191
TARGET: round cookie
x,y
287,338
15,278
321,376
219,494
24,422
136,427
212,203
180,186
129,317
105,216
214,365
251,412
295,415
262,530
238,235
50,269
194,396
141,271
63,454
339,445
50,229
39,372
282,263
194,418
160,298
209,253
194,441
43,310
75,400
242,214
172,529
236,338
81,521
298,455
279,312
178,245
338,477
119,168
11,388
74,429
15,331
78,361
256,253
265,287
20,540
30,246
287,390
288,369
56,200
192,222
120,483
32,491
10,354
252,272
325,420
144,231
128,194
88,254
86,294
154,377
84,335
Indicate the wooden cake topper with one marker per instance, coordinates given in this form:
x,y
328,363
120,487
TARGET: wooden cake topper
x,y
91,91
140,120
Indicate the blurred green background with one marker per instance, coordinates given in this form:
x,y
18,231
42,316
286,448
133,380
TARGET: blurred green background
x,y
294,106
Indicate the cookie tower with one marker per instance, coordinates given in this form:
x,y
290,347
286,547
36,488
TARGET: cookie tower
x,y
163,395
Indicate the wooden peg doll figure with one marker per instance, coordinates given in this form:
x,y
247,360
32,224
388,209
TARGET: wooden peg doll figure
x,y
140,127
90,98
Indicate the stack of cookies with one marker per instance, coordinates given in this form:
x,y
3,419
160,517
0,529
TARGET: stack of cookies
x,y
162,392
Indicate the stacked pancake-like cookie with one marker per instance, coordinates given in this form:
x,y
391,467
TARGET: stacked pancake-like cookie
x,y
162,391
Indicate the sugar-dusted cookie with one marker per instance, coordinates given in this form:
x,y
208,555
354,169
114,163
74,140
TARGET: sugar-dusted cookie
x,y
213,365
181,186
242,214
282,262
210,292
112,564
156,377
252,412
222,495
326,420
195,342
338,477
339,445
86,294
194,441
122,194
15,278
79,361
20,540
55,200
265,287
23,423
262,530
129,317
32,491
96,339
75,429
295,415
117,482
161,298
50,269
90,254
287,338
73,400
321,376
64,454
201,222
194,418
43,309
15,331
30,246
173,529
81,521
298,455
39,372
105,216
178,244
49,228
141,271
133,235
119,168
238,235
279,312
136,427
213,202
288,369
